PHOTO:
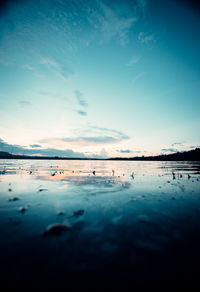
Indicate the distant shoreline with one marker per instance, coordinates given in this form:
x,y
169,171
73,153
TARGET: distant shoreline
x,y
192,155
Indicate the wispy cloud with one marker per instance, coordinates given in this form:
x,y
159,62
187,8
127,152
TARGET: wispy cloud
x,y
169,150
64,71
113,23
24,103
81,113
114,26
60,96
145,38
178,144
92,136
81,141
49,62
138,76
28,67
125,151
134,60
82,102
142,4
79,96
193,147
51,30
95,130
35,146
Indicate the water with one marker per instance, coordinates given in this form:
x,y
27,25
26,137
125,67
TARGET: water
x,y
137,225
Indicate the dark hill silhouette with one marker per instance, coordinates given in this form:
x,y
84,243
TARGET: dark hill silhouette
x,y
192,155
5,155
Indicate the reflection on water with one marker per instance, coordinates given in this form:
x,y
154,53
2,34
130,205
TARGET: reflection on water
x,y
101,216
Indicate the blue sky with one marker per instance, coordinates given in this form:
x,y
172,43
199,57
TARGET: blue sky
x,y
99,78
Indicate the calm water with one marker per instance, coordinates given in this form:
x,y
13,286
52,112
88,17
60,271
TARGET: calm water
x,y
130,223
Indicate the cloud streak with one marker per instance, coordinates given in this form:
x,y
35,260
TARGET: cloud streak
x,y
114,22
134,60
64,71
178,144
169,150
81,113
145,38
125,151
79,96
92,136
138,76
24,103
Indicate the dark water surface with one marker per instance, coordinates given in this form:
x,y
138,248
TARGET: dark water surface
x,y
137,227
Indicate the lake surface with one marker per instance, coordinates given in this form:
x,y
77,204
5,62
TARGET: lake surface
x,y
119,224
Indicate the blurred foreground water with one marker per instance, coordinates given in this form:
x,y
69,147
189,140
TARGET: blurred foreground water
x,y
99,224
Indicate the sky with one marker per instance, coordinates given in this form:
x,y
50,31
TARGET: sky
x,y
99,78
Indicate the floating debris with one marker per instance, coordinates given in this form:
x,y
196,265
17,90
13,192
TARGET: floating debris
x,y
13,199
42,190
173,198
56,229
22,209
61,213
78,213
